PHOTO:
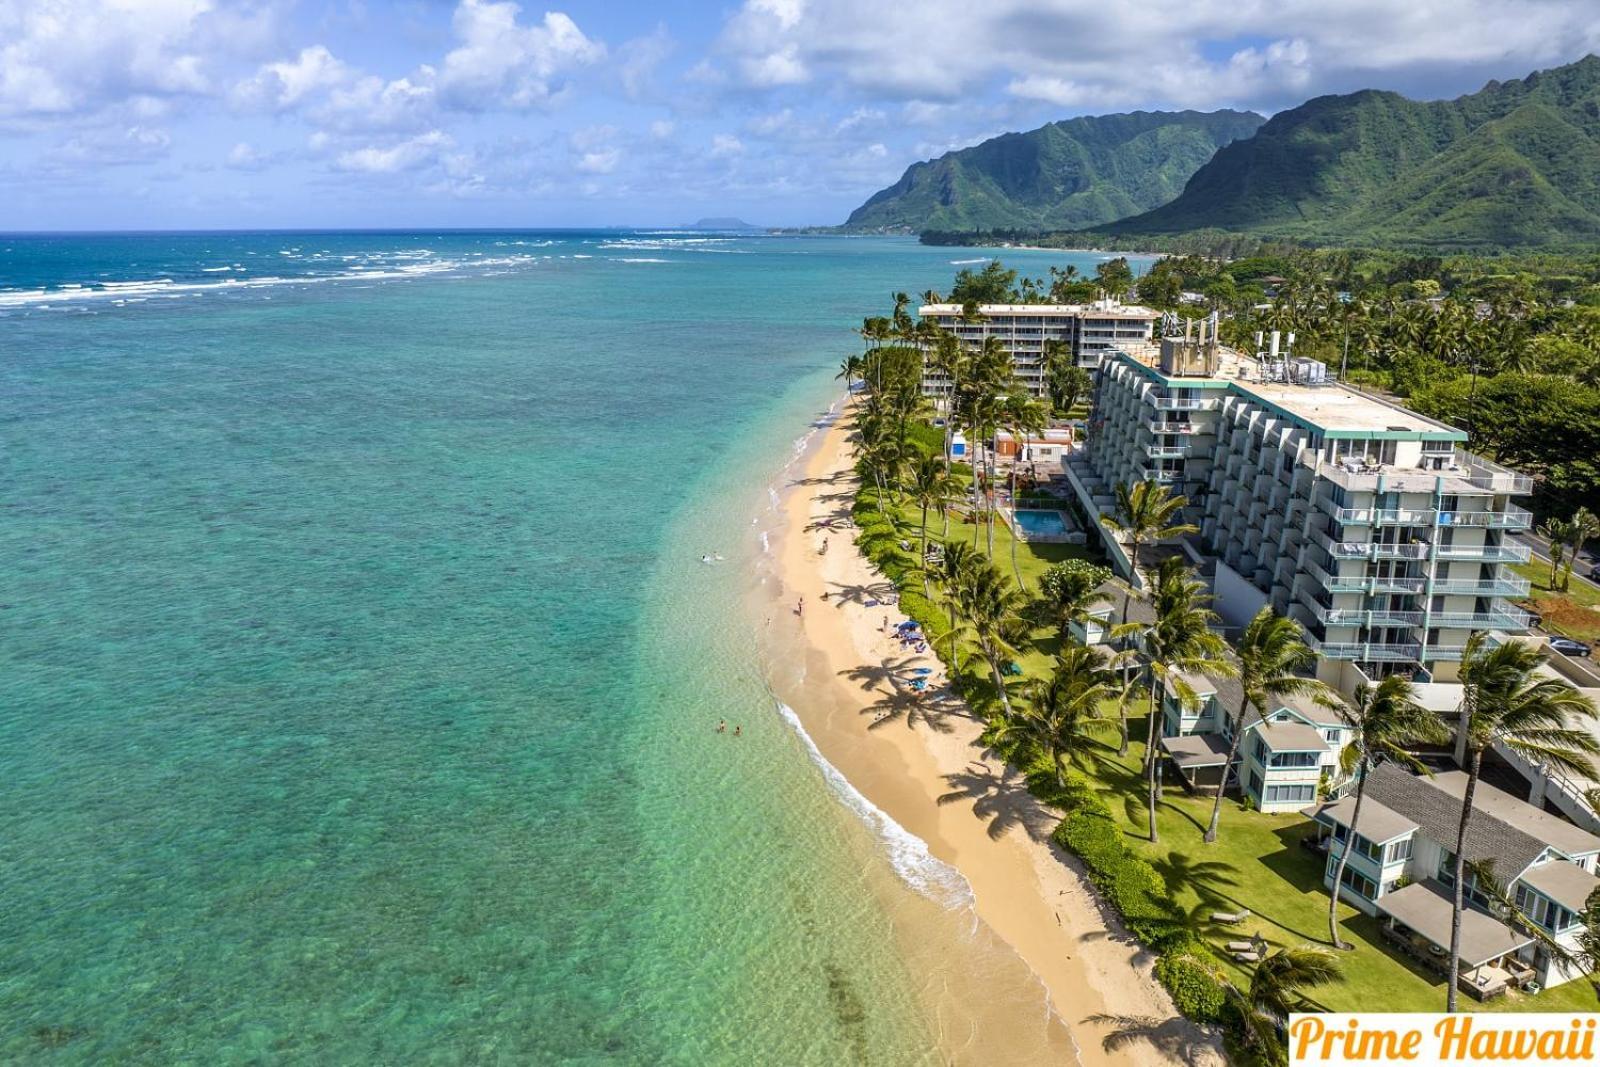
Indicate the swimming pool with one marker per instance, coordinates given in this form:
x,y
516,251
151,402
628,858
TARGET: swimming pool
x,y
1042,524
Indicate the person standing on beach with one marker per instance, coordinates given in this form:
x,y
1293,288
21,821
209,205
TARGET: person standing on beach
x,y
722,725
738,731
800,606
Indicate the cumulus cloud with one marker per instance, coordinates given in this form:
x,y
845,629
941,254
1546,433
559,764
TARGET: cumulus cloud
x,y
1078,55
114,147
502,63
409,154
724,145
62,56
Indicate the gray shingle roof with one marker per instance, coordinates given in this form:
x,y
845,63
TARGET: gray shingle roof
x,y
1378,824
1536,822
1293,736
1565,883
1437,812
1425,907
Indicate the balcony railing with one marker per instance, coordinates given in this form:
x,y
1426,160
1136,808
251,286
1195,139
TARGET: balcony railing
x,y
1367,652
1358,617
1159,426
1507,618
1496,587
1166,451
1512,518
1488,475
1179,403
1385,516
1486,553
1373,550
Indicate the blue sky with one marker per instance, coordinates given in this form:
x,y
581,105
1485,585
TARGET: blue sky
x,y
129,114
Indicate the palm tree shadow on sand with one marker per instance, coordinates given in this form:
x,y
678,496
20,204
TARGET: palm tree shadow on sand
x,y
1000,797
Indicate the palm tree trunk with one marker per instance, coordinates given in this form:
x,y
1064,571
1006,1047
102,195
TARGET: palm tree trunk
x,y
1122,722
1222,786
1151,762
1460,873
926,590
999,682
1344,858
1015,569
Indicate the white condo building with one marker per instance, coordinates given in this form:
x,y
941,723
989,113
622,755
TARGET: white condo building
x,y
1366,522
1092,331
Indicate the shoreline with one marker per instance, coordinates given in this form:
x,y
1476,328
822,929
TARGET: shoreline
x,y
926,768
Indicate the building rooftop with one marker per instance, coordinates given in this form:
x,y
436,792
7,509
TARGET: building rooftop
x,y
1549,829
1565,883
1425,907
1111,309
1379,824
1332,408
1292,737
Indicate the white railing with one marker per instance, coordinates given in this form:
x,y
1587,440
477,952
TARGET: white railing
x,y
1178,403
1489,475
1359,617
1512,518
1507,618
1487,553
1367,651
1497,587
1166,451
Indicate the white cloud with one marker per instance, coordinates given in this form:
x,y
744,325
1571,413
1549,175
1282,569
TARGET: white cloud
x,y
112,147
724,145
661,129
409,154
63,56
600,161
1201,53
287,83
503,64
637,61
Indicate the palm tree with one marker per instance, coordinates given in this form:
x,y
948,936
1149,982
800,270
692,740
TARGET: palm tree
x,y
1023,417
992,606
1069,591
1277,988
1507,702
1558,532
1583,525
1145,512
930,487
1273,659
1061,717
1383,721
1180,640
955,574
850,370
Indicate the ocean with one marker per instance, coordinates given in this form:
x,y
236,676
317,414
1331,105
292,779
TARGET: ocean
x,y
359,672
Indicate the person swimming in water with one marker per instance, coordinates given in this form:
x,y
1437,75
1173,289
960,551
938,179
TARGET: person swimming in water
x,y
722,726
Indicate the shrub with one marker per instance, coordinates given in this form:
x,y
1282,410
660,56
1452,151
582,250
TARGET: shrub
x,y
1193,985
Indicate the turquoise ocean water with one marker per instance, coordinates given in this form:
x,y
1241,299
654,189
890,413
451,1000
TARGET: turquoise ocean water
x,y
358,669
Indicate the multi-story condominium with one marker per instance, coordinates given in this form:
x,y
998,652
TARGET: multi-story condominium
x,y
1364,521
1402,870
1091,331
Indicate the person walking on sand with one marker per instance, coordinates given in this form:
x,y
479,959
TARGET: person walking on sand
x,y
722,725
800,606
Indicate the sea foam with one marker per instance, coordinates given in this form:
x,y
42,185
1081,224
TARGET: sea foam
x,y
908,854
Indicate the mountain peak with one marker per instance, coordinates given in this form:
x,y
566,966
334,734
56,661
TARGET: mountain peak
x,y
1071,173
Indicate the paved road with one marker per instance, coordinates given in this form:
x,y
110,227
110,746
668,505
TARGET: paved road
x,y
1541,554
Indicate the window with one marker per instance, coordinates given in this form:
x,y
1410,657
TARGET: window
x,y
1259,750
1332,736
1366,848
1546,913
1255,783
1359,884
1400,850
1285,794
1294,759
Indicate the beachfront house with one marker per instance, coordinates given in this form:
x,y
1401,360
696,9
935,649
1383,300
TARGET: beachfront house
x,y
1287,756
1401,870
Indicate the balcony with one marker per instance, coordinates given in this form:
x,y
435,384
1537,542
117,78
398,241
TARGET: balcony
x,y
1507,619
1178,403
1162,426
1372,550
1166,451
1367,653
1512,518
1485,553
1497,587
1359,617
1487,475
1385,516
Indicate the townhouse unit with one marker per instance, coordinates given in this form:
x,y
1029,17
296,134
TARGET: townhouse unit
x,y
1090,330
1287,757
1369,524
1402,871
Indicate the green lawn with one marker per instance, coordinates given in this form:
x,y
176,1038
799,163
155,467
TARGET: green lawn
x,y
1257,863
1575,613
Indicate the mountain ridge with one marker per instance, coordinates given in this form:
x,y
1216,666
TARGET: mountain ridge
x,y
1070,174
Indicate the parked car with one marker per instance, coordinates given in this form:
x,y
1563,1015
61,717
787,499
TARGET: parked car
x,y
1568,647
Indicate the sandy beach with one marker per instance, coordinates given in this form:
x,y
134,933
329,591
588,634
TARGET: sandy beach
x,y
925,766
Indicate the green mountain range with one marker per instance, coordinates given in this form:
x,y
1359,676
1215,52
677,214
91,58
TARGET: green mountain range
x,y
1078,173
1516,164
